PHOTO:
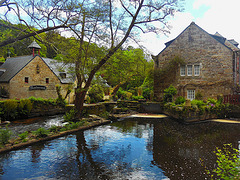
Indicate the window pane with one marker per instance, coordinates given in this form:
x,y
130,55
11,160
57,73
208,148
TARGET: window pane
x,y
191,94
189,70
196,70
182,70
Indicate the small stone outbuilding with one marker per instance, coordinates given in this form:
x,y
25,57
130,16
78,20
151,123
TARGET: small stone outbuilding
x,y
198,63
26,76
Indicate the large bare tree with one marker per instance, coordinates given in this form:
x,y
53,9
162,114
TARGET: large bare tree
x,y
109,23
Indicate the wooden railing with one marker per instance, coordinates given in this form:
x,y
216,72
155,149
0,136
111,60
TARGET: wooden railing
x,y
231,99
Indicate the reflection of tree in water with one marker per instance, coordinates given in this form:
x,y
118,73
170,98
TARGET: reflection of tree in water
x,y
177,148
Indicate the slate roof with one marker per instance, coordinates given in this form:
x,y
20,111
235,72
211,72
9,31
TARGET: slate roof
x,y
14,65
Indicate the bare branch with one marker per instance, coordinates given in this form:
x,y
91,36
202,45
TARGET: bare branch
x,y
9,41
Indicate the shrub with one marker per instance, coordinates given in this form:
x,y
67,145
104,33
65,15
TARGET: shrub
x,y
10,109
96,93
228,163
41,133
147,93
180,100
24,107
198,103
54,128
104,114
136,98
23,136
5,135
69,116
169,93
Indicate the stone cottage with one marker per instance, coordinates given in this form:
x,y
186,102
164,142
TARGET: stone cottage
x,y
198,64
26,76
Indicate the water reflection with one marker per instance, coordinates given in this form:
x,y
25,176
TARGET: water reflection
x,y
130,149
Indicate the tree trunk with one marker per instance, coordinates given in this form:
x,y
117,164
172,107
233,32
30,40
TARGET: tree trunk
x,y
79,101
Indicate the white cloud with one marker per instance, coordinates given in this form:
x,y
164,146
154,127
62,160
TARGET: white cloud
x,y
222,17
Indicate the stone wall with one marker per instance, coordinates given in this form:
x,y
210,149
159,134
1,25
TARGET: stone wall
x,y
196,47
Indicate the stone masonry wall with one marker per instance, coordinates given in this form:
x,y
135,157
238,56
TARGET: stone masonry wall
x,y
196,47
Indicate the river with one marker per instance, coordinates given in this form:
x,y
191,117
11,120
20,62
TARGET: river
x,y
133,148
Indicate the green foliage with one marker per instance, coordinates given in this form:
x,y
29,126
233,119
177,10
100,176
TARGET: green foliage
x,y
198,103
23,136
10,109
2,59
104,115
180,100
5,135
147,93
96,93
136,98
228,163
24,108
167,74
69,116
41,132
169,93
54,129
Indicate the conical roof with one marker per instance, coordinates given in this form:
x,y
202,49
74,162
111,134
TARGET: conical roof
x,y
34,45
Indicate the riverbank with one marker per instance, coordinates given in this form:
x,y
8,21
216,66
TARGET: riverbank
x,y
92,121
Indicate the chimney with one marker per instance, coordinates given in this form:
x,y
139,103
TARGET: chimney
x,y
35,47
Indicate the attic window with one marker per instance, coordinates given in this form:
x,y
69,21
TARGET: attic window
x,y
47,80
63,75
38,69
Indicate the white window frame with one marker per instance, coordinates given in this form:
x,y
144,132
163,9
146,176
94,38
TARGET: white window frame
x,y
182,70
196,71
189,70
191,94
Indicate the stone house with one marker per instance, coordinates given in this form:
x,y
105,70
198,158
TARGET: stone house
x,y
26,76
197,64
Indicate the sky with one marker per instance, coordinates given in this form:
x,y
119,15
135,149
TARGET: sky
x,y
211,15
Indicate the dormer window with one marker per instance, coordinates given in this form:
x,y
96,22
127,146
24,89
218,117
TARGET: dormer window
x,y
38,69
63,75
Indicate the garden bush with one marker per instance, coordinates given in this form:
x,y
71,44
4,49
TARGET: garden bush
x,y
10,109
147,93
169,93
5,135
180,100
136,98
24,108
69,116
96,93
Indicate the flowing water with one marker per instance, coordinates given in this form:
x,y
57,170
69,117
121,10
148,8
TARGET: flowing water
x,y
130,149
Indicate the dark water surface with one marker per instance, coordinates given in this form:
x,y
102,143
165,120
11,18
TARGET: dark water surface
x,y
130,149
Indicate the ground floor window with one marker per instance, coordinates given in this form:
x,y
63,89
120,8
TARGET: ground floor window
x,y
191,94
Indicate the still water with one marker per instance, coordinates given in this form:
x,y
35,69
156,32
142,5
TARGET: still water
x,y
129,149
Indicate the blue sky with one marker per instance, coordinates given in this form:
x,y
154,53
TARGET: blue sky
x,y
211,15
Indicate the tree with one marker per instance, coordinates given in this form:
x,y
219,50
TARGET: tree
x,y
125,66
107,22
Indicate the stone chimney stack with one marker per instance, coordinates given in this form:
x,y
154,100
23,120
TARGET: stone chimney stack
x,y
35,48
